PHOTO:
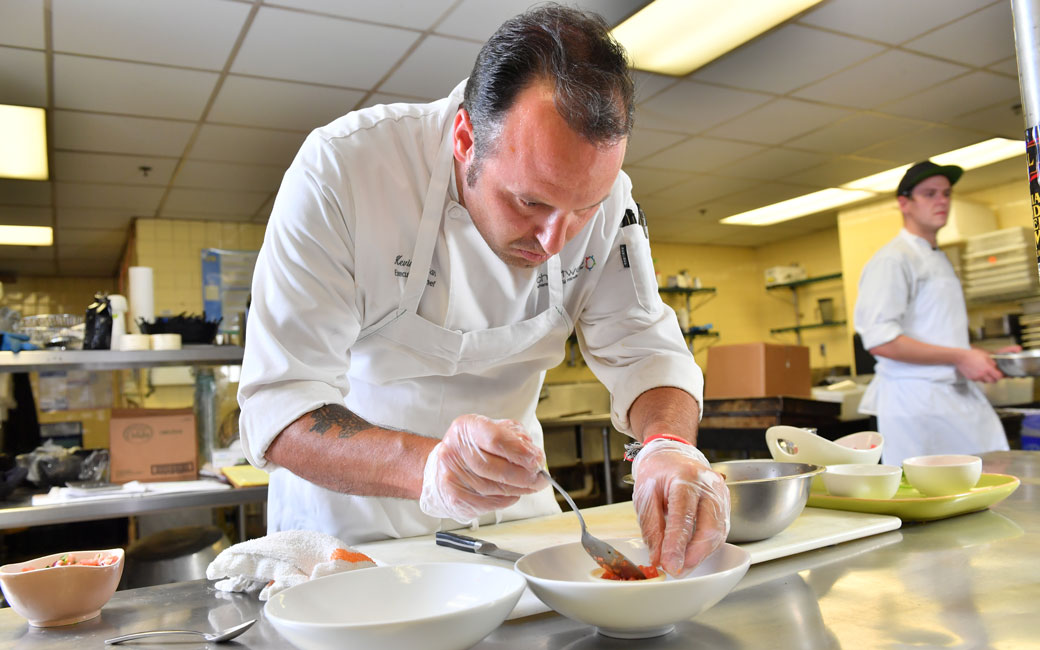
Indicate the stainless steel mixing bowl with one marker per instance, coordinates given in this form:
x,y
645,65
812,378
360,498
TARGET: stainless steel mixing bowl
x,y
1019,364
766,496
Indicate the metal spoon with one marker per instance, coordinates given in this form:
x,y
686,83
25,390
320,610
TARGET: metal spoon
x,y
604,554
226,635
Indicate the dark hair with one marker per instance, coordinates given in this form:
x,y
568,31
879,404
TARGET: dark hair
x,y
572,49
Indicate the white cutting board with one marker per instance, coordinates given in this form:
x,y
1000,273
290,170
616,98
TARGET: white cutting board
x,y
814,528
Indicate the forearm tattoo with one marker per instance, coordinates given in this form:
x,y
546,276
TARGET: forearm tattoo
x,y
335,417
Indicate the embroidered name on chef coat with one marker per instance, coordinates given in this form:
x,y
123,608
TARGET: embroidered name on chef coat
x,y
402,268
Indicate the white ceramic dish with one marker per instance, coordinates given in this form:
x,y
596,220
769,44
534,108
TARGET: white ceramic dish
x,y
943,474
441,606
797,445
561,576
61,595
861,481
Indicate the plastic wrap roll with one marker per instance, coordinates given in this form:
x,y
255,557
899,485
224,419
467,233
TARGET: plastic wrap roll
x,y
142,297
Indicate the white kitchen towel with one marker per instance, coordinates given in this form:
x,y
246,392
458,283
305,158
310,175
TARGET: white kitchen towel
x,y
282,560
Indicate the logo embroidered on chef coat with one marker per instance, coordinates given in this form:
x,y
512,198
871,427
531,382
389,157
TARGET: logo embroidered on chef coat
x,y
586,264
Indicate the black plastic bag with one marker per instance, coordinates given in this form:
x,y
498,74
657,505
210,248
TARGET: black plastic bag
x,y
98,330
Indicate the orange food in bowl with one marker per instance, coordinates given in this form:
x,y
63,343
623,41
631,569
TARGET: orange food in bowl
x,y
62,588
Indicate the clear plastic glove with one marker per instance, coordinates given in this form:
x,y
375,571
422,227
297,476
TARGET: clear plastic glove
x,y
480,465
682,505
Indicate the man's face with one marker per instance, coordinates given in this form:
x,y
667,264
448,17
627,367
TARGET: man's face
x,y
539,184
928,206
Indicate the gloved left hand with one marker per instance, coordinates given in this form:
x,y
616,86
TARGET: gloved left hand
x,y
682,505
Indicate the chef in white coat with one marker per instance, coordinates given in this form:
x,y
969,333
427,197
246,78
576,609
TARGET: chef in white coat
x,y
424,266
911,316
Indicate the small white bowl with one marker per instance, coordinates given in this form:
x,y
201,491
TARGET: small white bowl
x,y
561,576
797,445
440,606
943,474
860,481
61,595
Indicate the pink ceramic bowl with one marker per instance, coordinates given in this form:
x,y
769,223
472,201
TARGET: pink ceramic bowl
x,y
61,595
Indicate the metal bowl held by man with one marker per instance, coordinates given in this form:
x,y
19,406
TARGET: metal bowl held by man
x,y
1019,364
766,496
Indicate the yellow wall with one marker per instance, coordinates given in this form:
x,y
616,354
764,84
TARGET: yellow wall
x,y
33,295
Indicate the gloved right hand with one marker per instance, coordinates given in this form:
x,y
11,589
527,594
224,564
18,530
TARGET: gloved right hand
x,y
480,465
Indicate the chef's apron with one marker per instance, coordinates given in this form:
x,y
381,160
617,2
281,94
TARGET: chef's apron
x,y
410,374
920,415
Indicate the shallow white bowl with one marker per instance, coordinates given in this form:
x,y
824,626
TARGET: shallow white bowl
x,y
862,481
797,445
943,474
441,606
562,577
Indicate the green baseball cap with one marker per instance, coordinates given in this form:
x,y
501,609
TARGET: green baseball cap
x,y
927,169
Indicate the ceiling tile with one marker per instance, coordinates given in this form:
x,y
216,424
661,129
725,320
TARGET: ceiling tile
x,y
385,98
241,144
417,77
111,219
229,176
130,88
649,84
91,266
29,268
416,14
779,120
1012,170
478,19
143,200
106,168
1004,121
22,25
279,104
300,47
264,213
23,77
204,202
71,237
690,107
887,77
703,188
15,192
888,21
850,135
922,144
34,253
119,134
959,96
1007,66
771,164
170,33
785,59
700,155
644,142
837,171
649,181
980,39
24,215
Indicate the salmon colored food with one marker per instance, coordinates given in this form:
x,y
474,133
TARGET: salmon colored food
x,y
349,556
67,560
648,572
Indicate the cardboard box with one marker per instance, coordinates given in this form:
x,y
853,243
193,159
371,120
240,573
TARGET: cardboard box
x,y
757,370
153,445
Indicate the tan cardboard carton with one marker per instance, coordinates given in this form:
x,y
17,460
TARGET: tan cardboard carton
x,y
153,445
757,370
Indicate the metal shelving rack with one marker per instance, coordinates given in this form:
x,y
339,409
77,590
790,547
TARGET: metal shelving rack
x,y
793,286
189,355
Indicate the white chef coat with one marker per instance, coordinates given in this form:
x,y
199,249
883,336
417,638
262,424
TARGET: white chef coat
x,y
340,314
909,288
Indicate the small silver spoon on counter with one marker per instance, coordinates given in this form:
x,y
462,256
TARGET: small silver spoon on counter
x,y
604,554
221,637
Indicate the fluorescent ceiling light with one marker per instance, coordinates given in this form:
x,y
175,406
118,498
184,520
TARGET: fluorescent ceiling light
x,y
675,37
23,143
970,157
797,207
26,236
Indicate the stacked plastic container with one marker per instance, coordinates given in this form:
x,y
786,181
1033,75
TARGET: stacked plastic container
x,y
1000,265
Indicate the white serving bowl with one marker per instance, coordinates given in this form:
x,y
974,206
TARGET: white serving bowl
x,y
943,474
561,576
437,606
61,595
861,481
797,445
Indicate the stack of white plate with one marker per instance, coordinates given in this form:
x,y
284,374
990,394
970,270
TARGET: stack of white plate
x,y
1030,331
1000,264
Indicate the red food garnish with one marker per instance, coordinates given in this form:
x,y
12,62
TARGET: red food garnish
x,y
648,572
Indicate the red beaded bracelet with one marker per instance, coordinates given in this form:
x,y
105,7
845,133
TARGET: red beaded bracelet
x,y
666,436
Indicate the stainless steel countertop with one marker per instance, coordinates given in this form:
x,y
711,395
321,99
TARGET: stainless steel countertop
x,y
971,581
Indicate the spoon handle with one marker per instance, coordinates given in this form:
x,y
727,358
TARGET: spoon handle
x,y
139,635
